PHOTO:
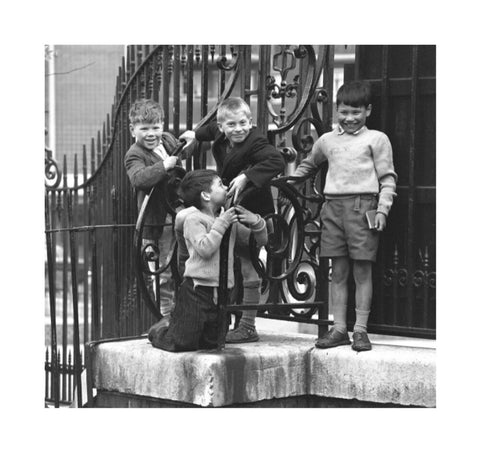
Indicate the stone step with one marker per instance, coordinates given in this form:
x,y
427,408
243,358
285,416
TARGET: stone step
x,y
279,366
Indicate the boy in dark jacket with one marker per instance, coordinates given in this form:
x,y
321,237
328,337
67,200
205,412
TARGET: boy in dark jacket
x,y
244,158
147,163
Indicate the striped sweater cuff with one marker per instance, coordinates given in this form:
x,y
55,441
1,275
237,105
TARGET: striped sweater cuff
x,y
259,225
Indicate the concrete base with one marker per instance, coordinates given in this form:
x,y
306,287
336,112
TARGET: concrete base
x,y
279,370
107,399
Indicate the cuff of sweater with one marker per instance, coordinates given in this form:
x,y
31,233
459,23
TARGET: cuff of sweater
x,y
383,209
259,225
220,225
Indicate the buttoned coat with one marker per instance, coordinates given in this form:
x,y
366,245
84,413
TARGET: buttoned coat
x,y
145,170
255,157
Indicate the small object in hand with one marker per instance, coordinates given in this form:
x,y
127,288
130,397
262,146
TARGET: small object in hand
x,y
370,214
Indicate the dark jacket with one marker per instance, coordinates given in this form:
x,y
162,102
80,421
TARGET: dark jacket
x,y
145,170
255,157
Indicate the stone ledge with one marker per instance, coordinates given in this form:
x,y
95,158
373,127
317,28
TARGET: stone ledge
x,y
387,374
277,367
272,368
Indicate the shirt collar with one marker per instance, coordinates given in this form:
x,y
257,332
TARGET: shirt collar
x,y
341,131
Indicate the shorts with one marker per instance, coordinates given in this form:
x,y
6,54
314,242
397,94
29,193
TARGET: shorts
x,y
193,323
345,229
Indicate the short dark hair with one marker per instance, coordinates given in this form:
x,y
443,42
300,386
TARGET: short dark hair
x,y
145,110
355,94
193,184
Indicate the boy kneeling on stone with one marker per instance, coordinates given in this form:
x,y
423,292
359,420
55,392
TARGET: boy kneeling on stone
x,y
193,324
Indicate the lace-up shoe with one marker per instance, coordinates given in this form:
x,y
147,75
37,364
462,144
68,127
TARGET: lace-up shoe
x,y
333,338
361,342
242,334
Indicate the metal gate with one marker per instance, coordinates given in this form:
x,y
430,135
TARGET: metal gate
x,y
92,289
403,80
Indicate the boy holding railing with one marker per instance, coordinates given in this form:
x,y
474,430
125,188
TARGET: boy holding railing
x,y
244,158
147,163
194,320
360,178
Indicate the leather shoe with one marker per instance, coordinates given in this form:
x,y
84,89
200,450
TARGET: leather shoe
x,y
361,342
333,338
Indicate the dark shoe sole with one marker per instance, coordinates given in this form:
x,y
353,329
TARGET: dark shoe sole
x,y
335,344
361,348
250,339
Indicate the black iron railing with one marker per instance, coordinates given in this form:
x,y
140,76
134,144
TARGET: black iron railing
x,y
95,266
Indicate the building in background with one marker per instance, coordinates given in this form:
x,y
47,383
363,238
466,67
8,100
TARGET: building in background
x,y
80,83
79,92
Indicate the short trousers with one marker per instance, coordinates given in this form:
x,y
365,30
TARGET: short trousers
x,y
193,324
345,229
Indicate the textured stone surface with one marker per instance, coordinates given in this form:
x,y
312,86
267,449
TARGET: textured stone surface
x,y
277,367
386,374
272,368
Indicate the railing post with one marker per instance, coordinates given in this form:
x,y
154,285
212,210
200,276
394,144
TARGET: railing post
x,y
77,363
223,289
53,323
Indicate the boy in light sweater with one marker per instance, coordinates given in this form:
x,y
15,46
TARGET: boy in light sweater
x,y
360,178
193,324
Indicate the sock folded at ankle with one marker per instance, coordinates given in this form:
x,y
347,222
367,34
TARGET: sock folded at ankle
x,y
251,295
340,318
361,321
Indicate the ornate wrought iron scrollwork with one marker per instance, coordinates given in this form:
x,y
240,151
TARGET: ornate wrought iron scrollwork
x,y
53,174
288,261
285,61
149,253
235,67
424,277
222,60
395,275
280,239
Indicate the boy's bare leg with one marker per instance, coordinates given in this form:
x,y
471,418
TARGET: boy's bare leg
x,y
362,273
340,272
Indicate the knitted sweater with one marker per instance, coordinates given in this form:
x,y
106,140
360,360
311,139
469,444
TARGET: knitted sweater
x,y
360,163
182,251
203,235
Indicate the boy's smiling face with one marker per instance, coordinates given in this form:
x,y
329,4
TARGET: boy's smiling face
x,y
236,126
146,134
352,119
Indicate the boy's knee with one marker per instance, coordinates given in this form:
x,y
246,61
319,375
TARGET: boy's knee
x,y
362,271
340,270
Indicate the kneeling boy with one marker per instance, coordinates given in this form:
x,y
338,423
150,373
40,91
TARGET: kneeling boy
x,y
193,324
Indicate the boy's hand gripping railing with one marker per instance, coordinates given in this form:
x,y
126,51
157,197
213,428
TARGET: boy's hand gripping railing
x,y
170,202
285,247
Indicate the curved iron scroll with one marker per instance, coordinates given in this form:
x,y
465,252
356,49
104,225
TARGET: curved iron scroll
x,y
53,174
150,252
314,68
280,238
289,259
